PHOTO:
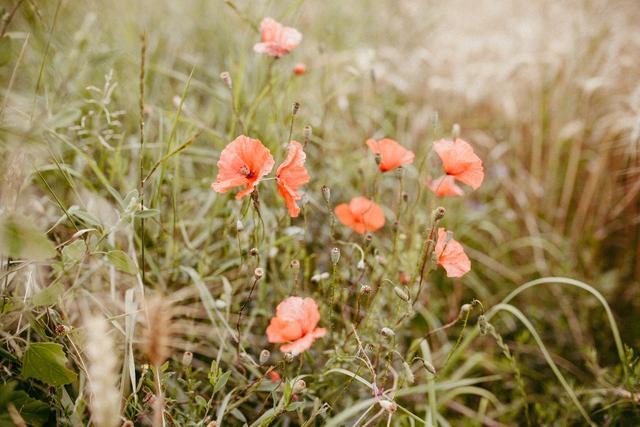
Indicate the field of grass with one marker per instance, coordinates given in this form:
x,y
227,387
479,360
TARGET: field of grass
x,y
132,293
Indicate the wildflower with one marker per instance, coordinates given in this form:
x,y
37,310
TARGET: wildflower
x,y
299,69
392,154
277,40
460,163
445,186
291,175
295,324
361,215
242,163
451,255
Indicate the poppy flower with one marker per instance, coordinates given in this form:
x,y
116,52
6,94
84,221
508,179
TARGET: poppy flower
x,y
295,324
361,215
451,255
291,175
460,162
392,154
277,40
274,376
242,163
299,69
445,186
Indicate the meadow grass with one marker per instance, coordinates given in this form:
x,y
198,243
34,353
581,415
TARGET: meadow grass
x,y
133,294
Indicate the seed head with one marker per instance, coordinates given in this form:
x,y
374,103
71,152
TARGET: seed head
x,y
483,325
335,255
365,289
387,332
253,251
295,264
295,108
307,132
158,331
258,273
326,194
401,293
438,213
264,356
187,357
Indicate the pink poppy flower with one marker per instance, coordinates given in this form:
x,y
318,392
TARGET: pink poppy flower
x,y
460,162
242,163
291,175
445,186
361,215
295,324
392,154
451,255
277,40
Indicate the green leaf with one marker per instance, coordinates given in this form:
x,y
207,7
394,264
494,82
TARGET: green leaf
x,y
49,295
45,361
73,252
122,262
33,411
19,238
147,213
222,381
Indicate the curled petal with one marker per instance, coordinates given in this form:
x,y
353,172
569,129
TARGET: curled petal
x,y
445,186
459,161
451,255
392,154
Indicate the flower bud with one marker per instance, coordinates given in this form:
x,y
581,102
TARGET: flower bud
x,y
213,424
299,69
365,289
368,237
299,386
295,108
438,213
455,131
361,265
253,251
226,78
378,159
187,357
483,325
401,293
295,264
239,225
264,356
387,332
258,273
388,405
429,367
307,132
465,308
289,357
335,255
127,423
326,194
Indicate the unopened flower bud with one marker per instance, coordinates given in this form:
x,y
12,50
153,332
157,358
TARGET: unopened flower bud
x,y
361,265
253,251
299,386
408,372
368,237
258,273
226,78
401,293
289,357
326,194
127,423
465,308
295,264
335,255
483,325
295,108
378,159
62,329
187,357
239,225
438,213
264,356
307,132
365,289
388,405
387,332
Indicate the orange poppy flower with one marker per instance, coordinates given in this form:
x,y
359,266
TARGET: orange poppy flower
x,y
291,175
361,215
460,162
392,154
299,69
277,40
445,186
295,324
242,163
274,376
451,255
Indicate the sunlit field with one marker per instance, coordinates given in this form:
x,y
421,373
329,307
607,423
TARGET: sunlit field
x,y
319,213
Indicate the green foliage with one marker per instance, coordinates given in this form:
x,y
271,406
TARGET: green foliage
x,y
33,411
19,238
46,361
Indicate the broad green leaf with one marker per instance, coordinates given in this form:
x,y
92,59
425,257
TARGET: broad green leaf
x,y
147,213
19,238
222,381
85,217
45,361
74,251
122,262
49,295
33,411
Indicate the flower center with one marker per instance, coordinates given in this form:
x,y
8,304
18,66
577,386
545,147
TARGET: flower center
x,y
244,170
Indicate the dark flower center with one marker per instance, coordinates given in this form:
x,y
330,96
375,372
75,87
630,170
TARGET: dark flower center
x,y
244,170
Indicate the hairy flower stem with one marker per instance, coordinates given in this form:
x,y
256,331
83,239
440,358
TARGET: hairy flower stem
x,y
158,405
334,284
143,51
243,306
427,249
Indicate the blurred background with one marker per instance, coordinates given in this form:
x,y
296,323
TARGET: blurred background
x,y
548,93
